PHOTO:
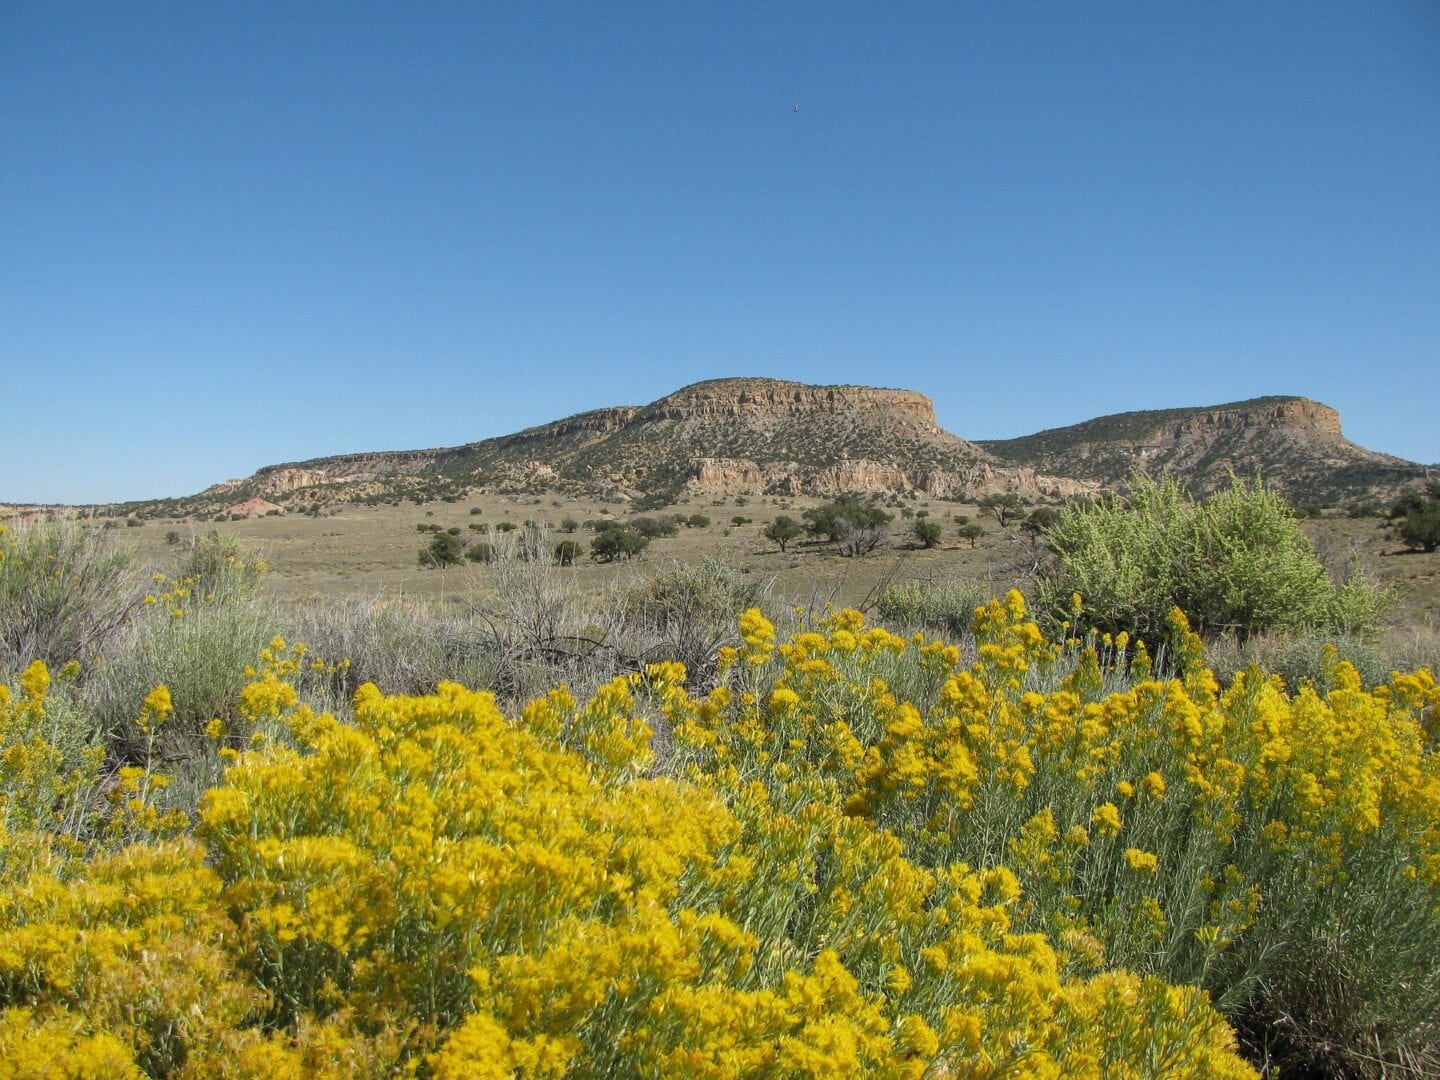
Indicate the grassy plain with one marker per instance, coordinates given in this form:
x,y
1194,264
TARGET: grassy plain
x,y
364,551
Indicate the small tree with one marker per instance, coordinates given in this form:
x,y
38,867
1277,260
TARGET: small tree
x,y
445,549
650,528
566,552
927,533
1003,508
1420,529
782,530
971,532
617,542
853,526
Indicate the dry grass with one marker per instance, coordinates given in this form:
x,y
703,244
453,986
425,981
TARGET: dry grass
x,y
364,552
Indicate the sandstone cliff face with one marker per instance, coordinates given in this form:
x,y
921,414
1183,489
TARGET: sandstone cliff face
x,y
728,476
277,481
1297,416
1295,444
753,436
772,398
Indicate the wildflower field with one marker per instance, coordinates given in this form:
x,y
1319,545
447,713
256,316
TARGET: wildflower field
x,y
843,852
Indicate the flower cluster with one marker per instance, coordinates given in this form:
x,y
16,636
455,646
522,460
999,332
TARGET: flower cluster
x,y
867,855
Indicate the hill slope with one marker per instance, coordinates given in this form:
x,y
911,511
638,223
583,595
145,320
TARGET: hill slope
x,y
726,435
1295,443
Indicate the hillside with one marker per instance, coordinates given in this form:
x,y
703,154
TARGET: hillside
x,y
730,436
768,436
1295,443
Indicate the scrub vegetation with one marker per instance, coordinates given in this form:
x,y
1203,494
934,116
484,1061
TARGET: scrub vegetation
x,y
683,827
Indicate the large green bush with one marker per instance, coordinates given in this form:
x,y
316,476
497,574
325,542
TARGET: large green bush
x,y
64,592
1235,562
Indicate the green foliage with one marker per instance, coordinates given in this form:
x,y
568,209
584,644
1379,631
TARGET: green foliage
x,y
971,532
217,563
853,526
946,609
566,552
1419,518
1040,519
64,591
480,552
927,533
1003,508
782,530
655,500
697,521
617,542
1236,562
650,528
446,549
1421,529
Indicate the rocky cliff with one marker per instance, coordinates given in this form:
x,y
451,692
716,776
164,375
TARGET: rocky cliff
x,y
740,435
1296,444
768,436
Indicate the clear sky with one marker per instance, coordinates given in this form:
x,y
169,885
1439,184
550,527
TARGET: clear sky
x,y
233,235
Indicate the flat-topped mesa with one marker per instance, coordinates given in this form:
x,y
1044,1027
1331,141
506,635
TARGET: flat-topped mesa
x,y
1299,414
778,398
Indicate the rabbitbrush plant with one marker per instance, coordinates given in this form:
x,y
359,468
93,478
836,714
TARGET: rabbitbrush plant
x,y
1235,562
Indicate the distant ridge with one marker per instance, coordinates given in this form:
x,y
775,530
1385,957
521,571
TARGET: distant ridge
x,y
742,435
770,436
1296,444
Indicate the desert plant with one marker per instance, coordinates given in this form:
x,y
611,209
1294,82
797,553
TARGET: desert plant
x,y
1236,562
64,592
1003,508
782,530
852,525
927,533
946,607
617,542
971,532
446,549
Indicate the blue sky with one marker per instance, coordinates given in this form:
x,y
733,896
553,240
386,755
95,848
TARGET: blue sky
x,y
234,235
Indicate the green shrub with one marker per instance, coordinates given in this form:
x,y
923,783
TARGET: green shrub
x,y
1236,562
216,563
64,592
927,533
1420,529
782,530
445,550
947,608
617,542
970,531
853,526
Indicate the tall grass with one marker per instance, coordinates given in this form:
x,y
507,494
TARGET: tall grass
x,y
64,592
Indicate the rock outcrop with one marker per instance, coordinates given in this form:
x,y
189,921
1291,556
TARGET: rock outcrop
x,y
1296,444
769,436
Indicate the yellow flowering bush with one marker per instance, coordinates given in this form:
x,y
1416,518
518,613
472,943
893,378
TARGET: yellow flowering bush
x,y
867,855
1213,839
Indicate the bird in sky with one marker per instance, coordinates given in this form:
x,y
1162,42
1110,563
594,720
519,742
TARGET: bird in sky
x,y
795,109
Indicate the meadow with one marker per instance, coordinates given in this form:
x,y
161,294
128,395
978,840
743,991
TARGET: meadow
x,y
695,815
